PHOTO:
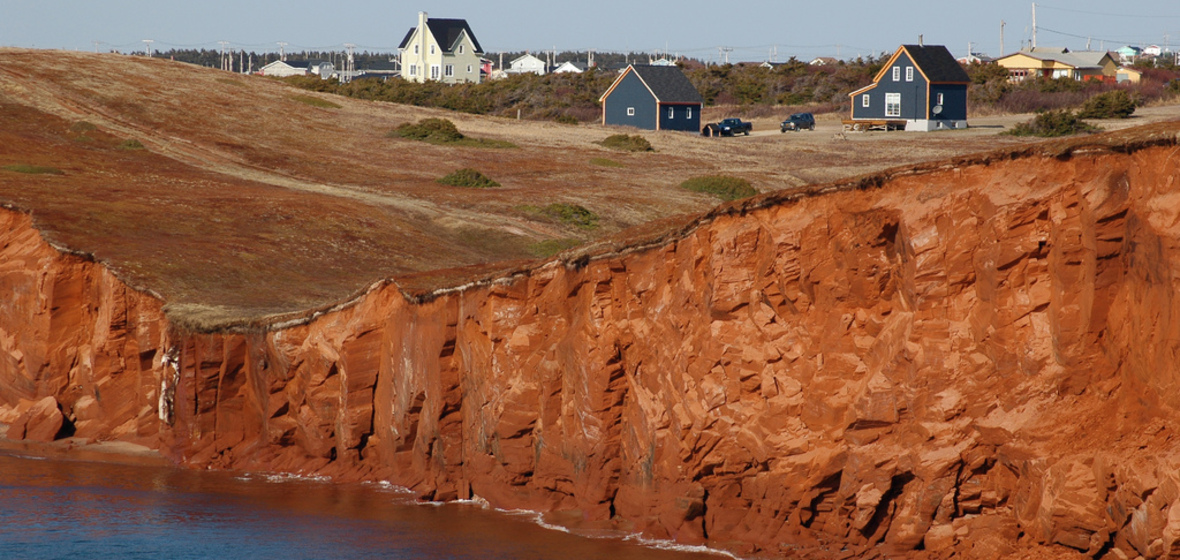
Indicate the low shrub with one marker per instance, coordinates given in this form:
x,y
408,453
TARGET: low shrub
x,y
604,162
131,144
315,102
435,131
1114,104
626,143
1051,124
468,177
443,131
721,186
82,127
566,119
569,214
33,169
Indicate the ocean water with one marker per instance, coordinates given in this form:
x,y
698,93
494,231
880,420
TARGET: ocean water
x,y
55,509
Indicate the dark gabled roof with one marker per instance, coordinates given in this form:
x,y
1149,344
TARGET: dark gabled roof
x,y
304,63
382,65
668,84
446,32
937,63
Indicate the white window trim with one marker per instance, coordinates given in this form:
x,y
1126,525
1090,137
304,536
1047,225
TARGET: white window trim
x,y
460,49
897,73
413,69
671,113
864,100
909,73
449,71
940,99
434,71
688,113
468,68
415,49
431,49
893,109
630,111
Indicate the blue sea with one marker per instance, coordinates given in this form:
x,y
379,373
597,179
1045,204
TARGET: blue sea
x,y
58,509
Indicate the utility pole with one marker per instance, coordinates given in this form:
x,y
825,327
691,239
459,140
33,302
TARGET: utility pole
x,y
149,42
349,65
96,46
224,60
282,53
723,52
1002,52
1034,27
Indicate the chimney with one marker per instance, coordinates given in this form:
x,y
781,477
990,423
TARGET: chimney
x,y
421,20
920,43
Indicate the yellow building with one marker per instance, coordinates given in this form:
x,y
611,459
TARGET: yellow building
x,y
441,50
1059,63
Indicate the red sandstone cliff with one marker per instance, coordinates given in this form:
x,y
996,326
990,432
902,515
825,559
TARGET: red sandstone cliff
x,y
956,359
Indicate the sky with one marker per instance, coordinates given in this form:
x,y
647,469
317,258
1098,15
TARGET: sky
x,y
755,30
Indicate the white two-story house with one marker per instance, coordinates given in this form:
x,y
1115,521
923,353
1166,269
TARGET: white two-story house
x,y
442,50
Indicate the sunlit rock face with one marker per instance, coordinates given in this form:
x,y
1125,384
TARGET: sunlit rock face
x,y
964,358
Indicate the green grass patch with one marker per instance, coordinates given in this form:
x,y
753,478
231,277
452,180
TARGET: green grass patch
x,y
721,186
626,143
568,214
315,102
469,178
32,169
443,131
131,144
550,247
82,127
1052,124
604,162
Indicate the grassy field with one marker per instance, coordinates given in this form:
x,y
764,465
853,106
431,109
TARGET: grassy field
x,y
250,198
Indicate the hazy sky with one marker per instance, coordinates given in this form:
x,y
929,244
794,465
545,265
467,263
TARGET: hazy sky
x,y
807,29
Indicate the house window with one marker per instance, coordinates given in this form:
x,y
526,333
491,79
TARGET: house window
x,y
864,100
431,49
413,69
909,73
449,70
688,113
415,49
939,98
434,71
671,112
630,111
897,73
460,49
468,68
892,104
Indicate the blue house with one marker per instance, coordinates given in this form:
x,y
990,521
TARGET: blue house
x,y
654,98
922,87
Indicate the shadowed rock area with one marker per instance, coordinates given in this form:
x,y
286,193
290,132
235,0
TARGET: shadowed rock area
x,y
966,358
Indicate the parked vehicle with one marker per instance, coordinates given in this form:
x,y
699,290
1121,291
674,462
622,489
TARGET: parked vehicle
x,y
797,122
727,127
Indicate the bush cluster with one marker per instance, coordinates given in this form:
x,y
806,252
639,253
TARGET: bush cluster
x,y
468,177
627,143
569,214
1051,124
1114,104
721,186
435,131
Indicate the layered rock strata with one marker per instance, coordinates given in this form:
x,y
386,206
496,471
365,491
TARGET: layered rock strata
x,y
962,358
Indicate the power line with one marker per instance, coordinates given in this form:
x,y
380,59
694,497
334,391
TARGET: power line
x,y
1091,37
1106,14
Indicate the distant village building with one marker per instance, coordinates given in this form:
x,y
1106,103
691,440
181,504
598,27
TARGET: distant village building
x,y
1128,53
653,98
824,61
1129,75
1153,50
975,58
1059,62
570,67
440,50
921,86
285,68
527,64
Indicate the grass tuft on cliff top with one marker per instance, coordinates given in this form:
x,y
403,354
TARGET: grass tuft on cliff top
x,y
568,214
33,169
722,186
443,132
469,178
1051,124
626,143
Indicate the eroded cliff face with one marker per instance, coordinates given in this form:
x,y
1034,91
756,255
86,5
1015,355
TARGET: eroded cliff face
x,y
962,360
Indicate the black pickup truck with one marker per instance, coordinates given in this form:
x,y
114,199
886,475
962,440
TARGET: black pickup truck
x,y
728,127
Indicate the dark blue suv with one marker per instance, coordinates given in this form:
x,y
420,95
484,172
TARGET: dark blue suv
x,y
798,121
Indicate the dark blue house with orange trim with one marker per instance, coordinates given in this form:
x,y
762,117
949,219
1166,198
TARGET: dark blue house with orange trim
x,y
653,98
923,87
